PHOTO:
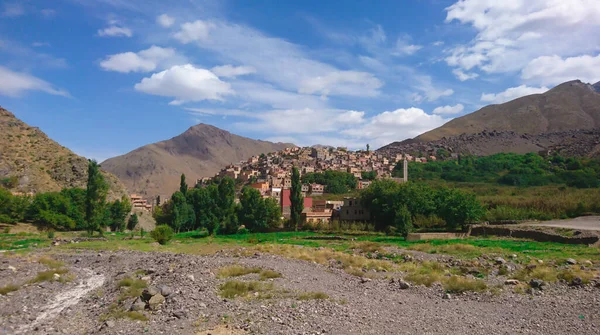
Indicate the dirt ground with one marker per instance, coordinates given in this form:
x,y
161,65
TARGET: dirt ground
x,y
90,301
580,223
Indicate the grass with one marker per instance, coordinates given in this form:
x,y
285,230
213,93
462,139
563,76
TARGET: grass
x,y
545,273
426,273
369,247
575,271
51,263
134,287
313,296
43,276
8,288
239,270
117,312
457,284
235,288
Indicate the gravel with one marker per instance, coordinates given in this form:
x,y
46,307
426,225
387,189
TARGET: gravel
x,y
189,287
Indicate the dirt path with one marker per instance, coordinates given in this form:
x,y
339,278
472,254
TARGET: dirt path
x,y
65,299
580,223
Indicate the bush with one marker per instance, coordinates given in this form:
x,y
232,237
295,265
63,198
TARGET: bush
x,y
51,234
132,221
162,234
6,219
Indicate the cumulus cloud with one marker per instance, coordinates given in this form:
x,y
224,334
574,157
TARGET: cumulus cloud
x,y
14,84
511,94
115,31
552,70
196,31
449,110
396,125
463,76
403,47
185,83
231,71
142,61
165,20
512,33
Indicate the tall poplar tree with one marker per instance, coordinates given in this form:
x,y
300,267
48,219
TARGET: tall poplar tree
x,y
296,199
95,198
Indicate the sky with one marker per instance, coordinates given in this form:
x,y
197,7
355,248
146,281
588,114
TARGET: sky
x,y
103,77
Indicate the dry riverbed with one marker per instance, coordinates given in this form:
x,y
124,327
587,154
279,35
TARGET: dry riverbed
x,y
270,291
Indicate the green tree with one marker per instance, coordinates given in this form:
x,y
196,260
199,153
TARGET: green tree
x,y
368,147
51,209
119,210
226,206
133,221
203,201
183,187
403,220
252,212
162,234
458,208
370,175
76,210
95,200
297,202
182,217
273,213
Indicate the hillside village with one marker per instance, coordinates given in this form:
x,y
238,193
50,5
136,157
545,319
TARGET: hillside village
x,y
271,175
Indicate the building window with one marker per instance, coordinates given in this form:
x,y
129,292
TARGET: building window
x,y
350,203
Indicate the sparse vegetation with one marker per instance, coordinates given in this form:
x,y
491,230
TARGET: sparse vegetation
x,y
458,284
313,296
133,286
49,276
236,288
117,312
239,270
8,288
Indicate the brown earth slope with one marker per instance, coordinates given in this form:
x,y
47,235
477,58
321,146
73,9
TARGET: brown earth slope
x,y
569,106
199,152
39,163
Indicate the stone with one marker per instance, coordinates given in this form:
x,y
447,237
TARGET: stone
x,y
364,280
588,263
531,266
156,301
109,324
56,277
577,281
500,260
149,292
571,261
511,282
147,279
403,285
180,314
55,243
166,290
540,261
446,296
513,256
12,268
138,305
537,283
191,277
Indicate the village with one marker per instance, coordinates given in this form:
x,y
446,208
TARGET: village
x,y
270,174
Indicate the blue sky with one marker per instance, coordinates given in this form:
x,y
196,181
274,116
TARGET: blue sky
x,y
103,77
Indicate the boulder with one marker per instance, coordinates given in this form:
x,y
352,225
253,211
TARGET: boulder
x,y
511,282
191,277
109,324
149,292
156,301
180,314
56,277
403,285
499,260
138,305
12,268
446,296
571,261
577,281
537,283
588,263
166,290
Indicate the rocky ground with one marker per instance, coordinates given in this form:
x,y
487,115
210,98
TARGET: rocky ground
x,y
183,297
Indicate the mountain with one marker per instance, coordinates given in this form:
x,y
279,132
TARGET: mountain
x,y
569,106
201,151
39,164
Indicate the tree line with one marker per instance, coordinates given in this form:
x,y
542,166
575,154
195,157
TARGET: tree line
x,y
213,207
71,208
510,169
335,182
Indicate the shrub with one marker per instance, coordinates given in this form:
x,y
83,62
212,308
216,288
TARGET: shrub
x,y
162,234
456,284
51,234
6,230
132,221
7,219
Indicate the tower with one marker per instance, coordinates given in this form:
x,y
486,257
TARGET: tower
x,y
405,172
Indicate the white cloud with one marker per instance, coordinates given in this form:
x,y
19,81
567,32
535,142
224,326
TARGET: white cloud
x,y
342,83
512,33
13,9
463,76
196,31
403,47
115,31
449,110
185,83
277,61
142,61
40,44
552,70
231,71
14,84
438,43
511,94
165,20
397,125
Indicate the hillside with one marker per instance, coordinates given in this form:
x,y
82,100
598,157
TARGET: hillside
x,y
569,106
39,164
201,151
572,143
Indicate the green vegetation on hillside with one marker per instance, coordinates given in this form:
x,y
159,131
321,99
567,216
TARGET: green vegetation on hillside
x,y
336,182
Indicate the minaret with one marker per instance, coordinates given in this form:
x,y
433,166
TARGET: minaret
x,y
405,174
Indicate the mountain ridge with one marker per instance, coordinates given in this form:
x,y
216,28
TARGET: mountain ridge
x,y
200,151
